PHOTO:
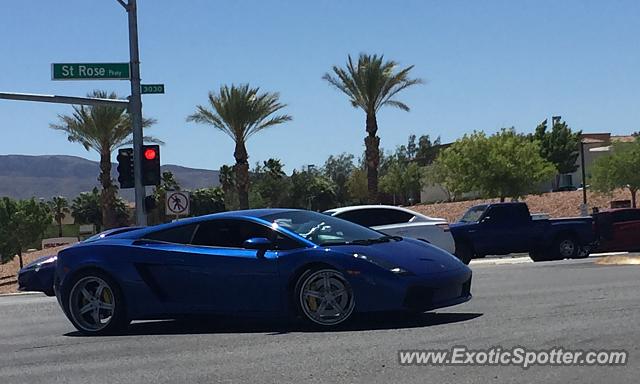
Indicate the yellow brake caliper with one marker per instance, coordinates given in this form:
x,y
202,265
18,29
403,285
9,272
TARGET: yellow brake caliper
x,y
313,303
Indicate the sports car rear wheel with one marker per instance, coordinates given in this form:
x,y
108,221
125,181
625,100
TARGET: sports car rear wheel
x,y
324,297
95,304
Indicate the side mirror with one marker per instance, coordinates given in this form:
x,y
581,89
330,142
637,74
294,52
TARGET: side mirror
x,y
257,243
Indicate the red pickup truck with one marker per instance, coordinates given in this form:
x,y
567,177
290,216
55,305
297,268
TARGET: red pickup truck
x,y
618,230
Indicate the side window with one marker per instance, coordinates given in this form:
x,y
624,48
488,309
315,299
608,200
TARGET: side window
x,y
180,235
233,233
374,217
359,217
393,216
499,215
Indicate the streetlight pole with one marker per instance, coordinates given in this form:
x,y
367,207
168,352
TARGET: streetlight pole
x,y
135,109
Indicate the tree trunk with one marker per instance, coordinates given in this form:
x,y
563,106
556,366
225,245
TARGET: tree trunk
x,y
242,174
372,154
108,196
633,197
502,199
20,257
60,228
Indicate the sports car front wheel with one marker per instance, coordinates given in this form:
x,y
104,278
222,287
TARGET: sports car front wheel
x,y
324,297
95,305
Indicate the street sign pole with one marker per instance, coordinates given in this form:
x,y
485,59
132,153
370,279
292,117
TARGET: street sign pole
x,y
135,110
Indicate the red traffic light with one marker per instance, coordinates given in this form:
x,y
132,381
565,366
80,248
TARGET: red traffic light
x,y
150,154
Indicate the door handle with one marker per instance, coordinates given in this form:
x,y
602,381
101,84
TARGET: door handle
x,y
176,260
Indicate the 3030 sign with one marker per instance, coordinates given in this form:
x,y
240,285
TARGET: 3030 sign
x,y
152,88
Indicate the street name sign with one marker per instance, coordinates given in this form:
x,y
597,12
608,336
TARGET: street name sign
x,y
152,88
90,71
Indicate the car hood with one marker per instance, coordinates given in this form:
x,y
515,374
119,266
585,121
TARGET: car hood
x,y
37,261
412,255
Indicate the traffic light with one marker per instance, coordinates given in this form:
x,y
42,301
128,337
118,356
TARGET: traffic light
x,y
150,165
125,167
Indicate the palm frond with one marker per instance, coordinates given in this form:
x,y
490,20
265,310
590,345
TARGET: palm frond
x,y
371,82
240,111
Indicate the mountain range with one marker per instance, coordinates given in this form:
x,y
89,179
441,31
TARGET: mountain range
x,y
23,176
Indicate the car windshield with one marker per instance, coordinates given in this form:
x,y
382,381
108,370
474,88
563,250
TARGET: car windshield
x,y
473,214
325,230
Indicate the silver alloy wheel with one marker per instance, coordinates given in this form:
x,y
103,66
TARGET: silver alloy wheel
x,y
326,297
92,303
567,248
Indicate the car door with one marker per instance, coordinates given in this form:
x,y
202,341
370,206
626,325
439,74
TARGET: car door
x,y
501,231
233,278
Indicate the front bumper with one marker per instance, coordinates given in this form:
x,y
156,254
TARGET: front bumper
x,y
37,280
423,298
413,293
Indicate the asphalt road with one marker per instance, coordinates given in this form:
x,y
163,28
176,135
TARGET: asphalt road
x,y
570,304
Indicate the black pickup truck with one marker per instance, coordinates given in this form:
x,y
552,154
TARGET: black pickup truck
x,y
503,228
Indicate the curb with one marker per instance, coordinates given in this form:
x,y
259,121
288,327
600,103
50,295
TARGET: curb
x,y
28,293
501,261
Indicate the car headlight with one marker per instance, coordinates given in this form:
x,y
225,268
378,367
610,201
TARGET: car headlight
x,y
383,264
50,260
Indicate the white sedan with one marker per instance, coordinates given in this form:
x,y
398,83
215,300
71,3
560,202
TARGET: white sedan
x,y
397,221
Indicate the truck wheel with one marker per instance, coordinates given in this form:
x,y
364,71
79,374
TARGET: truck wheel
x,y
464,252
566,247
583,252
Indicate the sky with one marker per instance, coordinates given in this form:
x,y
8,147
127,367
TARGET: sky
x,y
486,65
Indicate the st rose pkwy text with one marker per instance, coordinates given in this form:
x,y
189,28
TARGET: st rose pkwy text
x,y
90,71
84,71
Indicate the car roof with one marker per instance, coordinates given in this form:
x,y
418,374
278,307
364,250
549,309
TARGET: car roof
x,y
248,214
336,211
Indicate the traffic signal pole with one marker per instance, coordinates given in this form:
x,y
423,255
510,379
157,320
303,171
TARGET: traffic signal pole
x,y
135,109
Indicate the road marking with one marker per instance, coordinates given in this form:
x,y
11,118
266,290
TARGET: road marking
x,y
609,254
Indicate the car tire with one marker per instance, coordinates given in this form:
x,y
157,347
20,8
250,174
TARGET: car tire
x,y
539,255
583,252
566,247
325,288
464,252
95,305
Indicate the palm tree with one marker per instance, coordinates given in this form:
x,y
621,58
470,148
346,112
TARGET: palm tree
x,y
241,112
59,207
227,179
370,84
103,129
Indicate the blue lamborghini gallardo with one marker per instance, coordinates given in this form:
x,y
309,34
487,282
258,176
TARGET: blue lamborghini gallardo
x,y
268,261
